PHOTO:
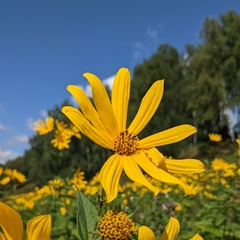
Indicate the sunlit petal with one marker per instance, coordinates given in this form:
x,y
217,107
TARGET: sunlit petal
x,y
172,229
97,136
196,237
145,233
168,136
148,107
185,166
39,228
144,162
86,106
134,173
120,97
11,222
110,175
102,102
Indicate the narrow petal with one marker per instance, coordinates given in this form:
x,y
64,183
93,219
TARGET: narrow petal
x,y
145,233
148,107
196,237
172,229
11,222
120,97
185,166
134,173
39,228
102,102
144,162
86,107
168,136
101,138
110,175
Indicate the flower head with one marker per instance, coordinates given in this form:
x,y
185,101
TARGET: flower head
x,y
214,137
116,225
11,223
44,128
170,233
105,124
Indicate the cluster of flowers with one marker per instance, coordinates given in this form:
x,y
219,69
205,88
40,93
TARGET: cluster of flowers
x,y
11,175
62,132
105,124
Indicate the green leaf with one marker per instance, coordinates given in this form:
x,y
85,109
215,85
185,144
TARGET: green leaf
x,y
85,216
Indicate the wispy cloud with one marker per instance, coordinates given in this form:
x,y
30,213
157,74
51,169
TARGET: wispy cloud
x,y
18,139
2,127
7,155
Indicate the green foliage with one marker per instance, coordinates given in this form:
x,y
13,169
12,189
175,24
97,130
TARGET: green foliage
x,y
85,217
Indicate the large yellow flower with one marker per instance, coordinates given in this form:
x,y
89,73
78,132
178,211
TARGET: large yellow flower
x,y
38,228
170,233
105,124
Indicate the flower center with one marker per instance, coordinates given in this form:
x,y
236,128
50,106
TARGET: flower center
x,y
125,143
116,225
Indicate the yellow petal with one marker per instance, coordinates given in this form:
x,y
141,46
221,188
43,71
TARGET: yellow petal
x,y
134,173
11,222
185,166
110,175
86,106
120,97
144,162
196,237
148,107
3,238
145,233
102,102
101,138
39,228
172,229
168,136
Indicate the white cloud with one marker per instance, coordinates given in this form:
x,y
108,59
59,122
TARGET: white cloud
x,y
18,139
30,122
2,127
7,155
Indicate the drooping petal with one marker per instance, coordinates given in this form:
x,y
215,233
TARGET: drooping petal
x,y
155,156
145,233
148,107
86,106
171,135
184,166
39,228
172,229
101,138
110,175
144,162
11,222
196,237
134,173
120,97
102,102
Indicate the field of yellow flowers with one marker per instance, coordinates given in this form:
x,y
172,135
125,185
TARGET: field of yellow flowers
x,y
139,193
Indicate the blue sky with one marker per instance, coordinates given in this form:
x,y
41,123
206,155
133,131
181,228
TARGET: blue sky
x,y
46,45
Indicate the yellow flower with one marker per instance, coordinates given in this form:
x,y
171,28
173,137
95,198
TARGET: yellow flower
x,y
38,228
61,140
238,141
44,128
105,124
170,233
214,137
